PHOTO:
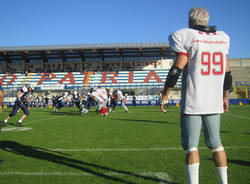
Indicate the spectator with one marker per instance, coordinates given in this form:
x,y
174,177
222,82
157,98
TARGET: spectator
x,y
134,101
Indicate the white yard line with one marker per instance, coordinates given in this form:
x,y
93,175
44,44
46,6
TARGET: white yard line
x,y
237,116
163,177
114,149
39,120
136,149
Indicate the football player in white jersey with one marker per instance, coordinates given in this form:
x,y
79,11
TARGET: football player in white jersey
x,y
206,79
101,98
117,95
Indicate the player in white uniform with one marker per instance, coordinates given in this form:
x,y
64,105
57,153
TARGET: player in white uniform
x,y
101,98
202,56
117,95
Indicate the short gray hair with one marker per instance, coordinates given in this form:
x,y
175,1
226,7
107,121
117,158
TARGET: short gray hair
x,y
198,16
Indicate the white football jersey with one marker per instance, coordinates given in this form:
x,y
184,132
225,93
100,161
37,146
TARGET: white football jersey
x,y
100,95
120,95
24,89
203,76
96,97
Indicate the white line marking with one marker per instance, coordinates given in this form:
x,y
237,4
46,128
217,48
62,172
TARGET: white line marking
x,y
39,120
114,149
135,149
17,129
163,177
45,173
237,116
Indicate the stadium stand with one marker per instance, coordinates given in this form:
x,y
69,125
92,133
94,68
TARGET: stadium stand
x,y
130,66
240,68
122,79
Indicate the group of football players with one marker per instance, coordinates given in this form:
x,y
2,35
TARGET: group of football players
x,y
104,99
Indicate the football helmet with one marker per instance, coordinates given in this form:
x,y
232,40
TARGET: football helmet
x,y
115,91
32,86
65,93
92,90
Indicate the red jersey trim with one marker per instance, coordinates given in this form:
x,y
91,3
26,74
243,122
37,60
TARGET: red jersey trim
x,y
183,54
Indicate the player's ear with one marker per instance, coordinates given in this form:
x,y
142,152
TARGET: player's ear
x,y
190,24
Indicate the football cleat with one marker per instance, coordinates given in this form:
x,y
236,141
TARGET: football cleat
x,y
84,111
164,102
4,123
19,124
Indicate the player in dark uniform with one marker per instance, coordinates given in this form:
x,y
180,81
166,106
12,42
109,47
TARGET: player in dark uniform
x,y
134,101
76,99
1,98
117,95
112,101
54,102
61,101
88,102
22,101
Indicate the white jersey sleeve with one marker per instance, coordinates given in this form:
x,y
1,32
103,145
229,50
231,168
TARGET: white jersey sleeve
x,y
120,95
96,97
176,41
24,89
203,76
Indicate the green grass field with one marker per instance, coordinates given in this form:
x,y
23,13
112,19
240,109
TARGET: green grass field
x,y
139,147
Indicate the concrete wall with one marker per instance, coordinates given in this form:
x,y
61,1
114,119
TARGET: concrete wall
x,y
239,62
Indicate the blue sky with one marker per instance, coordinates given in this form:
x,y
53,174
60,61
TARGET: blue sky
x,y
53,22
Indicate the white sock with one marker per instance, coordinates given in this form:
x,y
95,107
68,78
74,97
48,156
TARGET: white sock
x,y
193,173
222,173
19,121
5,121
126,109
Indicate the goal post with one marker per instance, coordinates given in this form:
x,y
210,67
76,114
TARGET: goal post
x,y
240,92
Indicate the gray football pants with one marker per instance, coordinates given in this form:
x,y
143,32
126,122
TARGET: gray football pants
x,y
191,127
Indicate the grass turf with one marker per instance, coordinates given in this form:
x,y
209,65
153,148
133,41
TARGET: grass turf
x,y
142,146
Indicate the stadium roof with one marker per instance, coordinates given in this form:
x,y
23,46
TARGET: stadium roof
x,y
82,53
86,46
